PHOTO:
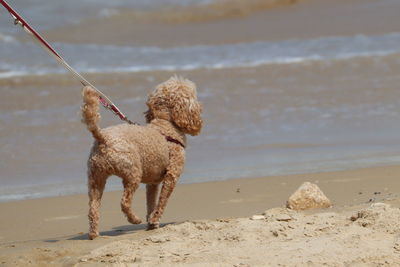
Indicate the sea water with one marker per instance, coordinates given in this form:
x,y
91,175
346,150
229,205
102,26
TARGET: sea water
x,y
270,107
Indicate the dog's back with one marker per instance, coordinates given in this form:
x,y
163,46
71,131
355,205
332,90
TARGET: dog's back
x,y
139,148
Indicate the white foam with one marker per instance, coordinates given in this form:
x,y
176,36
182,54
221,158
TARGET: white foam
x,y
23,59
108,12
9,74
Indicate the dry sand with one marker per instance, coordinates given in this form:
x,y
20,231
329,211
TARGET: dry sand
x,y
210,224
280,237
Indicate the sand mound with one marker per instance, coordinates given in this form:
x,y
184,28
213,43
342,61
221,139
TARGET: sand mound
x,y
278,236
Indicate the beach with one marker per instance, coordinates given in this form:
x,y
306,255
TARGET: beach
x,y
215,217
292,91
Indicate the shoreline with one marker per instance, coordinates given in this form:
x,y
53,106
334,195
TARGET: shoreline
x,y
113,185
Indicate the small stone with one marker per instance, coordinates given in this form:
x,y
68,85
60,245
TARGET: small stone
x,y
354,218
380,205
83,260
308,196
283,218
155,239
257,217
396,245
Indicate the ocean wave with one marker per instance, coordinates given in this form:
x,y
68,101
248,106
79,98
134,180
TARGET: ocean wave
x,y
45,14
198,11
21,59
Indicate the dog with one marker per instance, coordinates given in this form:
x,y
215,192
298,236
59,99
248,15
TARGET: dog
x,y
151,154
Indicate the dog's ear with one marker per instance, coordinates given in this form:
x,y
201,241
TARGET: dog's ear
x,y
175,100
185,109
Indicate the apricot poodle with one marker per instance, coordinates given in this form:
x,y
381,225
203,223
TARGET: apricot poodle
x,y
150,154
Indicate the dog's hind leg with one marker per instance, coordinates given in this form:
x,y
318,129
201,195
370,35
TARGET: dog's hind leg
x,y
151,197
130,186
96,184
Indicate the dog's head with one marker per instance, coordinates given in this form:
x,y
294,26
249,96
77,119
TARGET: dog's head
x,y
176,100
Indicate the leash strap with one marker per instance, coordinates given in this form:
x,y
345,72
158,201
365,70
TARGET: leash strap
x,y
104,100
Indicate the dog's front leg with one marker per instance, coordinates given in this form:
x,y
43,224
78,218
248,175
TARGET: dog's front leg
x,y
174,170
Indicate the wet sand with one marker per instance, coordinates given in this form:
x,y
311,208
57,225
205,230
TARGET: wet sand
x,y
54,230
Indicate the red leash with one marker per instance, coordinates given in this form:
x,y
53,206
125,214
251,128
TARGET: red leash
x,y
104,100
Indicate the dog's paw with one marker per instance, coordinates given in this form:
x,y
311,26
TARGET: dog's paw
x,y
154,217
135,220
93,235
152,226
153,222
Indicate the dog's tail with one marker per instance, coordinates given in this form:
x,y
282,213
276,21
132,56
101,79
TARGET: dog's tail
x,y
90,112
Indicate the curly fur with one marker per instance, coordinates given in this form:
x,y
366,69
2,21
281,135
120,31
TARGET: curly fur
x,y
142,154
90,112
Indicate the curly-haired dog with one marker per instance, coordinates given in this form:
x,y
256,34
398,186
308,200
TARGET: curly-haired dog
x,y
148,154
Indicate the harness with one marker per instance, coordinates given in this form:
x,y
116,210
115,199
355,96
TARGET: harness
x,y
173,140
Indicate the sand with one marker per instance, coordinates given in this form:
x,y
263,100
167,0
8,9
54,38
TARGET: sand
x,y
210,224
279,238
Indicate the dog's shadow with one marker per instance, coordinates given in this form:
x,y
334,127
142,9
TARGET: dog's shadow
x,y
119,230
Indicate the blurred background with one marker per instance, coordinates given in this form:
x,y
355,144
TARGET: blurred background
x,y
288,86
